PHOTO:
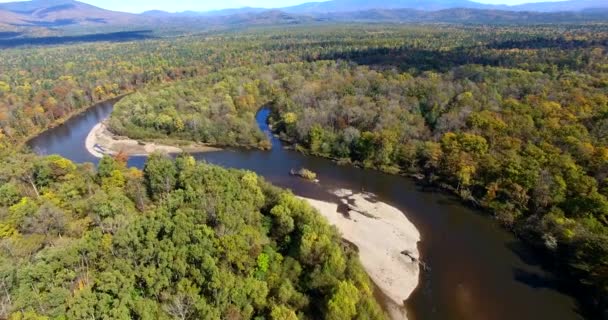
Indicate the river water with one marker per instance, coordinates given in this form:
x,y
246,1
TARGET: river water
x,y
477,270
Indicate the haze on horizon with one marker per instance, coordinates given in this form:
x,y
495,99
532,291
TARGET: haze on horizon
x,y
138,6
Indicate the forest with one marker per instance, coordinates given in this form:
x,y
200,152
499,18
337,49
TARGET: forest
x,y
193,110
517,127
42,86
178,240
513,119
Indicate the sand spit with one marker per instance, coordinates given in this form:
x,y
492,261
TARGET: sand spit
x,y
101,141
382,233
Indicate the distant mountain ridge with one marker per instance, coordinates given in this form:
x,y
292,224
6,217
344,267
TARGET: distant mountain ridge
x,y
479,16
573,5
341,6
52,15
434,5
361,5
424,5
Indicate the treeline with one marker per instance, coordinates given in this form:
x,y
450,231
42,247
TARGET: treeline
x,y
178,240
40,87
526,140
529,147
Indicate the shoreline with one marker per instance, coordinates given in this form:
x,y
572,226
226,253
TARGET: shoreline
x,y
71,115
381,233
100,141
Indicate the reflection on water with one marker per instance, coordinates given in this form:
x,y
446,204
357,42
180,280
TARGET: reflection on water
x,y
478,270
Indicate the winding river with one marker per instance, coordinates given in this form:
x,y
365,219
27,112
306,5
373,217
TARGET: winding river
x,y
477,269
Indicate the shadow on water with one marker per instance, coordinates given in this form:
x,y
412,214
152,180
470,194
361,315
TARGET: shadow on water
x,y
542,277
537,269
535,280
99,37
543,281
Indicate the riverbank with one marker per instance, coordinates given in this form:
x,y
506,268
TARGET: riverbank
x,y
101,141
61,121
386,239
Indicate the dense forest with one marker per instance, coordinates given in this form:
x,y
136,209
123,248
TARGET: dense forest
x,y
178,240
516,125
512,119
39,87
205,111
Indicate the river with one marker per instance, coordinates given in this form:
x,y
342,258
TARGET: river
x,y
477,269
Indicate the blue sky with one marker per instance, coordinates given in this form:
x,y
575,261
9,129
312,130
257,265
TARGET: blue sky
x,y
202,5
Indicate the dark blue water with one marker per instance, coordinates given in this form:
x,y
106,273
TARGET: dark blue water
x,y
478,270
68,139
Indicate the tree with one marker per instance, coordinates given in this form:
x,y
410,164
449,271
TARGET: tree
x,y
282,313
343,304
107,165
48,220
160,175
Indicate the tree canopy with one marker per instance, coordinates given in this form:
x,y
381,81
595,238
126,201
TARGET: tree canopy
x,y
178,240
511,118
512,122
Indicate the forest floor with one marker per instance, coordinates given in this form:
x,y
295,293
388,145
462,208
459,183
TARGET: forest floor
x,y
386,239
101,141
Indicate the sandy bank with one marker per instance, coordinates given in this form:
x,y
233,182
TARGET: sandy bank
x,y
382,233
101,141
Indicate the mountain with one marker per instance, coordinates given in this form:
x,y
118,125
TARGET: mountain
x,y
269,17
213,13
228,12
573,5
54,13
52,18
7,17
341,6
452,15
434,5
362,5
156,13
469,16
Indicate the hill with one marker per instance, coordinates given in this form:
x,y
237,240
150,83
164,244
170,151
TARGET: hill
x,y
361,5
341,6
468,16
7,18
434,5
56,19
214,13
573,5
54,13
227,12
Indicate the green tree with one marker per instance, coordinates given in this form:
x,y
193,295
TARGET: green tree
x,y
160,175
343,303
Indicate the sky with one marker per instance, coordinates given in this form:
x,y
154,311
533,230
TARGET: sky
x,y
137,6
